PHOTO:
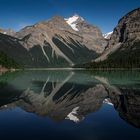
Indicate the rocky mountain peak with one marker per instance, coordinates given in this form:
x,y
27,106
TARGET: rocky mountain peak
x,y
108,35
126,33
73,21
128,28
129,16
75,18
68,40
57,18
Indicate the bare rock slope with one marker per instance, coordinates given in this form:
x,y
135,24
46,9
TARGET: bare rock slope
x,y
125,35
63,42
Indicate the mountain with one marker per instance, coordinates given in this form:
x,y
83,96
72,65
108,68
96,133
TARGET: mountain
x,y
57,42
11,48
92,35
7,32
108,35
123,48
54,43
68,42
73,21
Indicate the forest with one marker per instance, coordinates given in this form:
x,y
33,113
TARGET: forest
x,y
7,62
125,57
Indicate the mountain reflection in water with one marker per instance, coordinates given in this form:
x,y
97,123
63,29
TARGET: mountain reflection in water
x,y
72,95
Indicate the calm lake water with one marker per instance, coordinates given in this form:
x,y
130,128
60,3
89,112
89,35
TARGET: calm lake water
x,y
69,105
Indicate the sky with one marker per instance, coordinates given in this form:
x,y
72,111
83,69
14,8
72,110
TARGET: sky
x,y
105,14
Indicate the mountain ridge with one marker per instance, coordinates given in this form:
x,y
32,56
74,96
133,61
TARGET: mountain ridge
x,y
66,42
54,43
123,47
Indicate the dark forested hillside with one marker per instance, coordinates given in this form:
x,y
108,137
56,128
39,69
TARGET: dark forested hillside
x,y
123,49
7,62
122,58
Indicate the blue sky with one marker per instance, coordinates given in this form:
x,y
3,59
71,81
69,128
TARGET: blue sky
x,y
102,13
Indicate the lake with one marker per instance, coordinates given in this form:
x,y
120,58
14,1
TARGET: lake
x,y
69,105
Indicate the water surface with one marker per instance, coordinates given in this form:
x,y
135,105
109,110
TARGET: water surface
x,y
82,105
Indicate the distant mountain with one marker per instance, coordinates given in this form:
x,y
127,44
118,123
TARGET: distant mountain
x,y
91,35
108,35
123,48
7,32
72,41
60,44
57,42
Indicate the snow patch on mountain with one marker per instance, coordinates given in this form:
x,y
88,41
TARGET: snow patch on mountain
x,y
72,21
5,33
107,35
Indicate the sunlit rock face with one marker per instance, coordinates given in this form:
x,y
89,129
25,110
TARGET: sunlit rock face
x,y
124,36
63,42
108,35
74,27
128,29
54,43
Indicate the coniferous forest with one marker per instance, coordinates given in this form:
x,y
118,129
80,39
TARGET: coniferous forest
x,y
7,62
123,58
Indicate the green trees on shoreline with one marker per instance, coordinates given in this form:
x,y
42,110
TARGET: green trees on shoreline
x,y
7,62
127,57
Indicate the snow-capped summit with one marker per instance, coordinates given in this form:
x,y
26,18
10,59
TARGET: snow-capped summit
x,y
107,35
72,21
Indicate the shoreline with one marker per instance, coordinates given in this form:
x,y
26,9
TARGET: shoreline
x,y
54,69
97,69
3,70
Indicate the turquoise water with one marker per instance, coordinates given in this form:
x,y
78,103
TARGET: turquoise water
x,y
83,105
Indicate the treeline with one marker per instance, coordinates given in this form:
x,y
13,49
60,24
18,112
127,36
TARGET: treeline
x,y
126,57
7,62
